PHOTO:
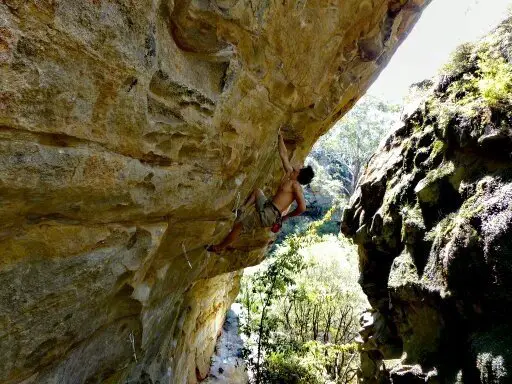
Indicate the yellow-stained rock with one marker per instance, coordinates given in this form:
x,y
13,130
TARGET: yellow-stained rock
x,y
129,130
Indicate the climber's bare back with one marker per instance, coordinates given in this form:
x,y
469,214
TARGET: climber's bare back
x,y
287,193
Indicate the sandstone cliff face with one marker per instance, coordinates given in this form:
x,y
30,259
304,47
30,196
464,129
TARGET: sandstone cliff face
x,y
433,220
129,130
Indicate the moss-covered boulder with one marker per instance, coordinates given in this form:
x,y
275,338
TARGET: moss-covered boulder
x,y
433,220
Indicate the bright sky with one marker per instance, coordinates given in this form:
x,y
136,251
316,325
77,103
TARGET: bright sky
x,y
444,25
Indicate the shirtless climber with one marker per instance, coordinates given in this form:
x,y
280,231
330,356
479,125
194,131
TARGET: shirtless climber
x,y
269,213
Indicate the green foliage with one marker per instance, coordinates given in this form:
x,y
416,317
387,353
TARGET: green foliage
x,y
438,147
329,227
475,85
495,83
261,291
460,61
442,228
342,153
325,226
280,368
314,362
479,75
302,306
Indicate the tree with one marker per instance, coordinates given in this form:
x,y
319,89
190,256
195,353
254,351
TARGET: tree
x,y
269,284
345,149
302,307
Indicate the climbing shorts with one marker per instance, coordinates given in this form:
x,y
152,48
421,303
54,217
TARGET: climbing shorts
x,y
262,215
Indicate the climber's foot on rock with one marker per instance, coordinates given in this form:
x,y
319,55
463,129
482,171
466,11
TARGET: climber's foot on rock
x,y
214,249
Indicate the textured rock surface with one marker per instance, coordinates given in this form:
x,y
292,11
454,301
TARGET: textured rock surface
x,y
433,220
129,130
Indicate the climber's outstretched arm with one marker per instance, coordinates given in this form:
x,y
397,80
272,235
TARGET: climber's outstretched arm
x,y
284,154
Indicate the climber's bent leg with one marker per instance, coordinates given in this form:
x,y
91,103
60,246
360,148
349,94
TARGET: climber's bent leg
x,y
255,196
231,237
251,199
245,222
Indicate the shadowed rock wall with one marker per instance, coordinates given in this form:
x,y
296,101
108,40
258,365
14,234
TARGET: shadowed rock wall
x,y
129,130
433,220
